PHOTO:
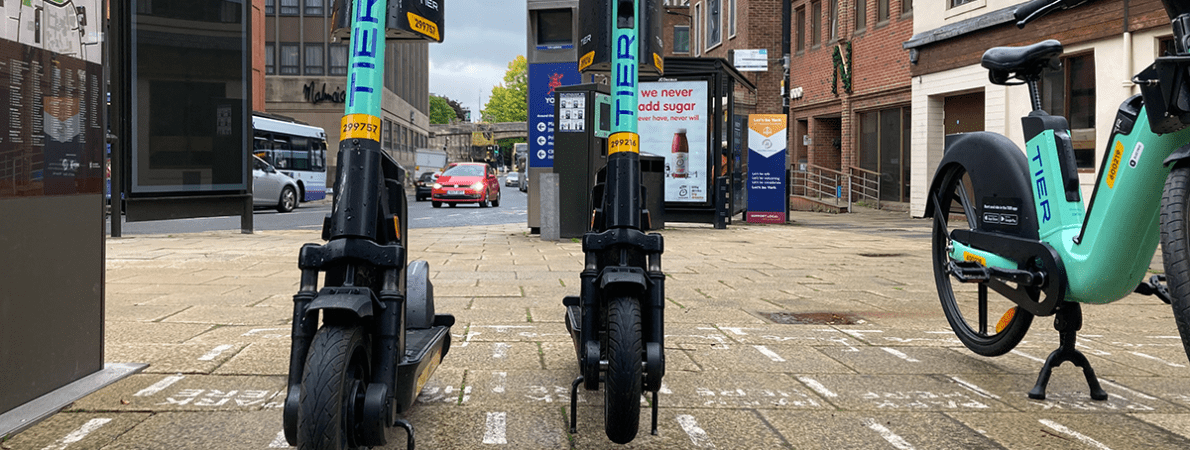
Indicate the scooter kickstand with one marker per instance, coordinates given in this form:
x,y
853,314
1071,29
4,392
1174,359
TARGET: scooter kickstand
x,y
408,428
1067,320
654,413
574,404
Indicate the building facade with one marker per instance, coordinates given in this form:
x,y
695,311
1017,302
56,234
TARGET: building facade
x,y
1105,44
305,78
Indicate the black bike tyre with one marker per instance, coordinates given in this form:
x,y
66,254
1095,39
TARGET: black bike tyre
x,y
1174,253
983,344
622,383
338,356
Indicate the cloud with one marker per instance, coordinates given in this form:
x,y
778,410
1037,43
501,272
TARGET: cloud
x,y
481,38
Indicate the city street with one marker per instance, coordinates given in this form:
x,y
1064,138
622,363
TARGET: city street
x,y
821,334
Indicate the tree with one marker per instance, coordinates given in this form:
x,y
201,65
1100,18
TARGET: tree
x,y
509,100
443,110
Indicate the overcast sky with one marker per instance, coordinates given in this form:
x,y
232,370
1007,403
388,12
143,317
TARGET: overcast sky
x,y
481,38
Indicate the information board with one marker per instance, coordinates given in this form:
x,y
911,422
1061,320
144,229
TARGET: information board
x,y
767,197
543,78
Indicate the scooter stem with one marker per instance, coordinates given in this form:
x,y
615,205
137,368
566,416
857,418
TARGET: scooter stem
x,y
623,146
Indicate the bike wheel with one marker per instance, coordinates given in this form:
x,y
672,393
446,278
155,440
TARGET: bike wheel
x,y
969,306
336,374
1174,232
622,383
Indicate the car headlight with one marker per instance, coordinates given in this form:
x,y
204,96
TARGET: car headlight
x,y
477,186
437,185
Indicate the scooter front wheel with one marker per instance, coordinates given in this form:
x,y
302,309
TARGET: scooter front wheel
x,y
336,374
622,386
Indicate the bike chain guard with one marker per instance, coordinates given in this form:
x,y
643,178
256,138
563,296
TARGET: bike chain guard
x,y
1038,256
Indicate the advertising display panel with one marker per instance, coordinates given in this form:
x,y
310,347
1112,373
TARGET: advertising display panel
x,y
673,125
543,79
766,168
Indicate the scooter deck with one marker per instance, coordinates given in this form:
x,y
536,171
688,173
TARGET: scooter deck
x,y
574,326
424,349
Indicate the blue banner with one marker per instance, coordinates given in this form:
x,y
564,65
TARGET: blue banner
x,y
767,197
543,78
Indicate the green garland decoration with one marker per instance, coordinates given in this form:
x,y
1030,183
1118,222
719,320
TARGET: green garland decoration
x,y
840,68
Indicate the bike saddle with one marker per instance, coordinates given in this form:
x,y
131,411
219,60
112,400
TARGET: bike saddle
x,y
1024,62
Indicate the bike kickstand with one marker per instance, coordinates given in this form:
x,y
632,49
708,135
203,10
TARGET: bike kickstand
x,y
574,404
408,428
654,413
1068,320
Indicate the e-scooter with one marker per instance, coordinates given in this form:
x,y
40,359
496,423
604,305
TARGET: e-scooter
x,y
353,377
617,321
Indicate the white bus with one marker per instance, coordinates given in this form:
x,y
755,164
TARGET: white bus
x,y
294,148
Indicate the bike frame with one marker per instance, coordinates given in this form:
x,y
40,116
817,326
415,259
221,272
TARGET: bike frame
x,y
1106,250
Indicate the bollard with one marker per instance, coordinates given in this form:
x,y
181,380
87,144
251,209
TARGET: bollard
x,y
551,219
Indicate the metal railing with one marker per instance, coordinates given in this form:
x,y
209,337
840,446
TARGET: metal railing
x,y
822,184
866,185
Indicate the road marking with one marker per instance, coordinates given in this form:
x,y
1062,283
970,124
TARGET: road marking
x,y
898,354
500,349
498,384
769,353
79,434
1154,358
1130,391
698,436
279,441
817,387
665,389
888,435
494,429
214,353
736,330
973,388
261,330
1074,434
158,386
1027,356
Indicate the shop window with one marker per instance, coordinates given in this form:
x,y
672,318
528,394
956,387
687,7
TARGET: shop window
x,y
884,148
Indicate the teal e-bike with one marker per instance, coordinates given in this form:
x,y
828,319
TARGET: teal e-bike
x,y
366,342
1012,239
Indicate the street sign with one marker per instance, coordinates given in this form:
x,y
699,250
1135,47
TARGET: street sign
x,y
751,60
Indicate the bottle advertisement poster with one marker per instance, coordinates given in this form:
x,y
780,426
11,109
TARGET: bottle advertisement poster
x,y
767,197
673,124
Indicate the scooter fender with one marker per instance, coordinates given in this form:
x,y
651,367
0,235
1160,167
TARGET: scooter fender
x,y
1000,176
623,277
1178,155
355,300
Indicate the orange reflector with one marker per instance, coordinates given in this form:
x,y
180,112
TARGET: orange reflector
x,y
1005,319
397,226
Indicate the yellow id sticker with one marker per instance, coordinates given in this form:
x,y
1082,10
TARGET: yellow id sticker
x,y
360,126
423,26
586,61
972,257
623,142
1114,169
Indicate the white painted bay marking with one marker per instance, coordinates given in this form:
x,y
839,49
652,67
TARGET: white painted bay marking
x,y
1130,391
79,434
665,389
1074,434
698,436
888,435
254,332
736,330
973,388
214,353
498,382
817,387
1154,358
494,429
500,349
1027,356
279,441
158,386
898,354
769,353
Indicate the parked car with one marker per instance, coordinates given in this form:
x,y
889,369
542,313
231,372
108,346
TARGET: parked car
x,y
271,188
466,183
424,186
524,184
513,179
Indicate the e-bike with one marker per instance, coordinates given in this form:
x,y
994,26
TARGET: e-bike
x,y
353,377
1011,236
617,321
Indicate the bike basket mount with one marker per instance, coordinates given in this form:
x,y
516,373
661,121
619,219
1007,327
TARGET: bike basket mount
x,y
1165,86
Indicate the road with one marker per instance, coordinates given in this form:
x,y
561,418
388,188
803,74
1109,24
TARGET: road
x,y
513,208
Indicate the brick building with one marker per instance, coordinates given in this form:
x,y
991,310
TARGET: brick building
x,y
849,111
1105,44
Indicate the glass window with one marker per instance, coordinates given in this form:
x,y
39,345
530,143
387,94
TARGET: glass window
x,y
714,23
270,59
954,3
801,29
269,6
289,7
906,6
681,39
861,14
314,59
555,26
734,17
881,11
313,7
815,23
834,18
697,32
1070,92
290,59
338,59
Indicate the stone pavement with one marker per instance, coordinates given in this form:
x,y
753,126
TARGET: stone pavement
x,y
210,313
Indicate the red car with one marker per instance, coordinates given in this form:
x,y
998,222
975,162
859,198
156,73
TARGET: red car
x,y
466,183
